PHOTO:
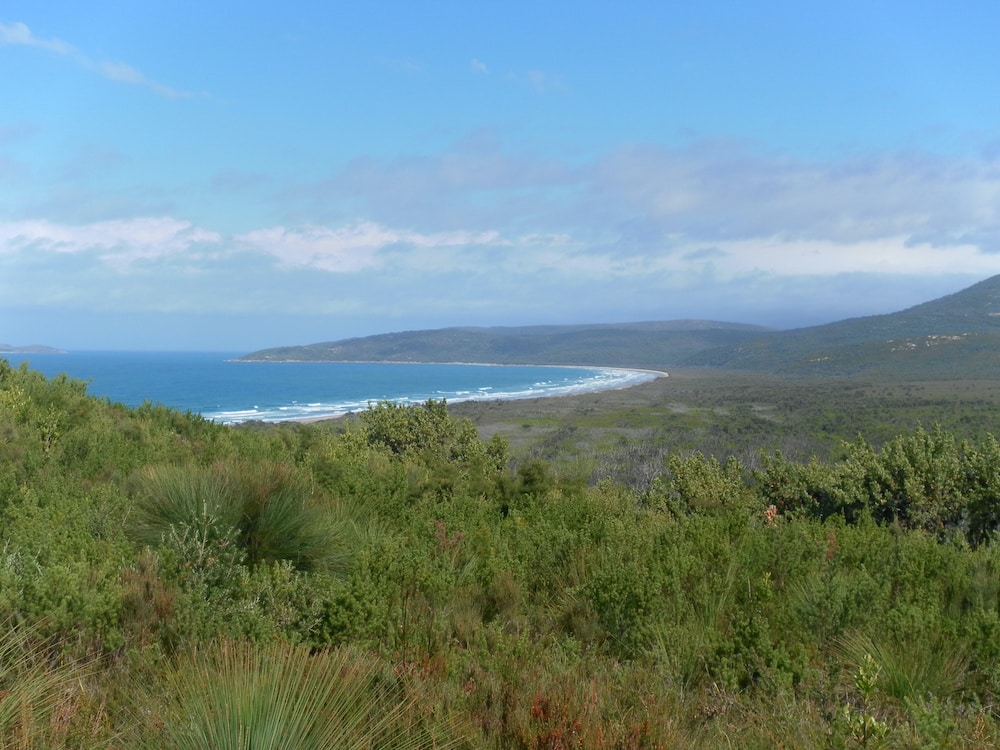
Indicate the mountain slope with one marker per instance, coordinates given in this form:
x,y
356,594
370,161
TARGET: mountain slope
x,y
956,334
648,344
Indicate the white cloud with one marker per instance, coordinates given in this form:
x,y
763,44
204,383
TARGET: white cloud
x,y
720,191
710,230
19,34
116,243
648,209
636,213
473,184
657,217
478,66
545,83
352,248
778,256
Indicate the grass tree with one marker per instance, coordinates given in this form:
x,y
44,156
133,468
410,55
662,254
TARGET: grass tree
x,y
241,696
37,697
258,511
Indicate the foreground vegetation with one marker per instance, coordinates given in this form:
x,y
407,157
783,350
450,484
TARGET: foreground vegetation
x,y
397,581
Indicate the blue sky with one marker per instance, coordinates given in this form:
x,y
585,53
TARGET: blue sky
x,y
231,176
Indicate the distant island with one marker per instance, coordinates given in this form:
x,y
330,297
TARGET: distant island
x,y
30,349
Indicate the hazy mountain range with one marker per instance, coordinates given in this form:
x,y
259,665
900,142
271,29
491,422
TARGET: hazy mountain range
x,y
954,336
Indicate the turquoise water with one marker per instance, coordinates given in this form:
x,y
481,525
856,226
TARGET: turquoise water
x,y
210,384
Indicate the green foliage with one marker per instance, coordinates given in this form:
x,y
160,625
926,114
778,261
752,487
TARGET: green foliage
x,y
431,431
236,696
982,474
810,490
926,480
625,602
627,435
921,666
261,512
916,480
701,484
32,692
751,600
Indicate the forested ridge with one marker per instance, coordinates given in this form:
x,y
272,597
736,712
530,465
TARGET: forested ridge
x,y
397,581
919,343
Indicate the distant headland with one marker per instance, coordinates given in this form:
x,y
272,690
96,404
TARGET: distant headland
x,y
956,336
30,349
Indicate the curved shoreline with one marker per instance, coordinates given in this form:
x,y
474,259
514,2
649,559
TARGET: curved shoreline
x,y
657,374
622,368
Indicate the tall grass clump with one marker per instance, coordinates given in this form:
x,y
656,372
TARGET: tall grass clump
x,y
911,669
240,696
174,498
32,692
259,511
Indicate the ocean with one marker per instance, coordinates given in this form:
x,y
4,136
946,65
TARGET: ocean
x,y
223,390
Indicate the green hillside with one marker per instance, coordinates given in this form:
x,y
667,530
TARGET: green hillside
x,y
930,340
650,344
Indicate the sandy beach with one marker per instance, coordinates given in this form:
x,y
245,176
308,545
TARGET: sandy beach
x,y
469,407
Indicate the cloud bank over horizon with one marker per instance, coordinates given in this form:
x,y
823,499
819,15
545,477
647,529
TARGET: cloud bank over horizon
x,y
511,185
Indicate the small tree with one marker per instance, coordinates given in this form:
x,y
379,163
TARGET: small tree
x,y
704,484
431,432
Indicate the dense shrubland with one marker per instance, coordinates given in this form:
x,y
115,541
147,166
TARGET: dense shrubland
x,y
398,582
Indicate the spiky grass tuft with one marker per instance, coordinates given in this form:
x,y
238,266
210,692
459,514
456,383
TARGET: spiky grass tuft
x,y
32,691
912,669
240,696
265,508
